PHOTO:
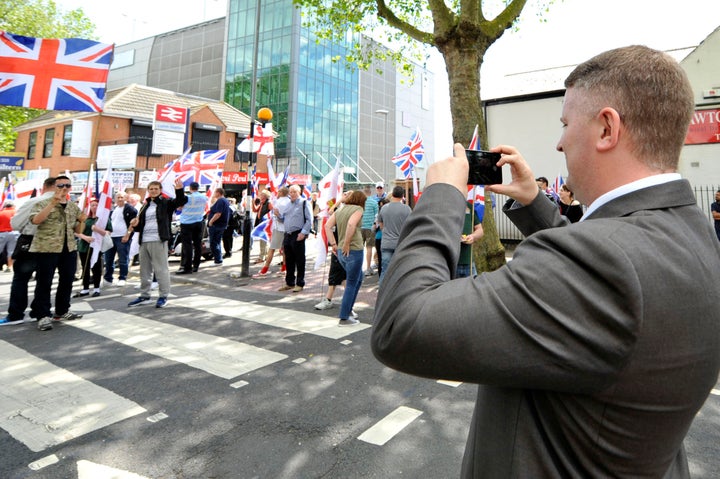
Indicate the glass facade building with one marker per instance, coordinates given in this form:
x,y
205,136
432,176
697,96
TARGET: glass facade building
x,y
314,100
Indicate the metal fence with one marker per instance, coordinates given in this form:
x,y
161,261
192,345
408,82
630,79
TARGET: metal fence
x,y
705,196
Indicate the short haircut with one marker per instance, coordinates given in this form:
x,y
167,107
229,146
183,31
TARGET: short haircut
x,y
154,183
220,190
356,197
283,191
61,177
48,183
398,192
542,179
650,92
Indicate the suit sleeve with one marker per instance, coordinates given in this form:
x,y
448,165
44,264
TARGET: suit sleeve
x,y
524,325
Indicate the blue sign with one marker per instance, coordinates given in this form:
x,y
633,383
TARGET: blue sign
x,y
11,163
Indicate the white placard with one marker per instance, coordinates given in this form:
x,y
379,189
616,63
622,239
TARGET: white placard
x,y
121,156
81,140
168,142
145,177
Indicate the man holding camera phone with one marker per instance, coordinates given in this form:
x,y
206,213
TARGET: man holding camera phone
x,y
598,371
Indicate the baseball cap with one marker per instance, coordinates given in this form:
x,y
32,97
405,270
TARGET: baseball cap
x,y
379,184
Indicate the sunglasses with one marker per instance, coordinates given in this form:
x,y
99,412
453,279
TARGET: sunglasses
x,y
63,185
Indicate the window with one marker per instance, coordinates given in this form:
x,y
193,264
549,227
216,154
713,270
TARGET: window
x,y
49,138
32,143
67,140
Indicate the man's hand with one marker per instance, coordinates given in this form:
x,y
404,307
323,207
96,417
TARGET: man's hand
x,y
522,188
179,184
452,171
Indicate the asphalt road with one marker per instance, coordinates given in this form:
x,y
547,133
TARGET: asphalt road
x,y
231,381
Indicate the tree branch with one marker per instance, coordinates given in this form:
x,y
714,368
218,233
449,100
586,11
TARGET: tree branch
x,y
395,22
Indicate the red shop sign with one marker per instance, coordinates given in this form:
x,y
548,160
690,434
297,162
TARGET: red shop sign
x,y
704,127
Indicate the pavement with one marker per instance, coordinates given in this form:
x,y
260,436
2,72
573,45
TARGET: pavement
x,y
228,277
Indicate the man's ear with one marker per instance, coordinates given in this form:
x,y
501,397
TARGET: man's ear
x,y
610,124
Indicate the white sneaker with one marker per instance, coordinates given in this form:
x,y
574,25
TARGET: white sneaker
x,y
108,284
353,314
324,304
369,272
121,282
154,285
348,322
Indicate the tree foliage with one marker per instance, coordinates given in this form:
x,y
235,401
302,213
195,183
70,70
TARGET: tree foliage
x,y
43,19
458,29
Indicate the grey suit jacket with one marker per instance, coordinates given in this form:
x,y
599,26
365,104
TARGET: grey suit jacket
x,y
594,347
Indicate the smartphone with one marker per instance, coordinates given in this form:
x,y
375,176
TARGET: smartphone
x,y
483,168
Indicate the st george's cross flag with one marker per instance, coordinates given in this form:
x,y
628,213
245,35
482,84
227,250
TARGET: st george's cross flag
x,y
262,141
102,213
410,155
53,74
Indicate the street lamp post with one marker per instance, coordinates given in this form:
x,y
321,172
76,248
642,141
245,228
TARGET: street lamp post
x,y
247,223
386,113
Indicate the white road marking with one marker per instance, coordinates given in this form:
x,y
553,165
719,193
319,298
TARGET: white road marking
x,y
157,417
446,382
299,360
43,462
90,470
390,425
212,354
42,405
310,323
239,384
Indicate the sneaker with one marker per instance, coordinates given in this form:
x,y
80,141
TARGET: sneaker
x,y
6,321
217,263
285,287
108,284
161,302
154,285
44,324
69,316
297,289
96,294
80,294
121,282
137,301
369,272
348,322
324,304
353,314
263,271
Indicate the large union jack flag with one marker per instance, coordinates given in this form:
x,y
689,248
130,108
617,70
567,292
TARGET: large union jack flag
x,y
203,167
410,155
53,74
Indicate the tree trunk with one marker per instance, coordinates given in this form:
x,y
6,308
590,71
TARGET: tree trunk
x,y
463,60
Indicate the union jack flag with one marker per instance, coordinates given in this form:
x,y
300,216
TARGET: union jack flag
x,y
255,180
410,155
53,74
559,181
263,231
203,167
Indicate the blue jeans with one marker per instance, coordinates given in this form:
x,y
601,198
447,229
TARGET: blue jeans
x,y
215,234
354,277
123,253
385,257
464,270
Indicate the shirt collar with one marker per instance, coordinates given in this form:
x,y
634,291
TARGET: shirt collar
x,y
629,188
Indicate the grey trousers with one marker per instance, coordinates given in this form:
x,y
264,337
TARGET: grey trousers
x,y
154,259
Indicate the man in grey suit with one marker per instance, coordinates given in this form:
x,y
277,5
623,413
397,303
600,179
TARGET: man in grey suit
x,y
596,371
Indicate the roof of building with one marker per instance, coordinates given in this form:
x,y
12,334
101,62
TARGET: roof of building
x,y
138,102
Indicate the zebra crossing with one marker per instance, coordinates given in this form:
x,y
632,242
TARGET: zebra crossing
x,y
43,405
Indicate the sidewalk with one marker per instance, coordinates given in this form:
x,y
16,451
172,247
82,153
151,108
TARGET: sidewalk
x,y
228,277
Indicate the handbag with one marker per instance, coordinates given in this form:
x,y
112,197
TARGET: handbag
x,y
107,243
22,246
